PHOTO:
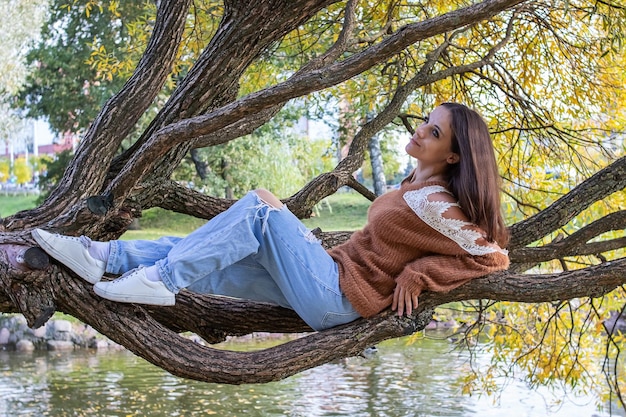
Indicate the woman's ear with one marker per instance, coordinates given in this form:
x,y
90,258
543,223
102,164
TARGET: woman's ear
x,y
453,158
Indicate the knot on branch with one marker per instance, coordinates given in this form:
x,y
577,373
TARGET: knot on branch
x,y
100,204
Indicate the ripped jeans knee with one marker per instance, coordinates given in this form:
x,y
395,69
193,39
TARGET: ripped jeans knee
x,y
269,198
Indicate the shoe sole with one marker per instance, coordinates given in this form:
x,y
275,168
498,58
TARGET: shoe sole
x,y
36,258
124,298
69,262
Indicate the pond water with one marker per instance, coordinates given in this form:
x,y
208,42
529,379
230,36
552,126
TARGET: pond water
x,y
420,379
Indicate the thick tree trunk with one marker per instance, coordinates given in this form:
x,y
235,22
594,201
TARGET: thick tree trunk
x,y
101,194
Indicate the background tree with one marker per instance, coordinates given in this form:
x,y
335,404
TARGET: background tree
x,y
539,72
97,44
66,84
12,69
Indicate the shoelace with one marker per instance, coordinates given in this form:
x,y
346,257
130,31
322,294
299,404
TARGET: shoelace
x,y
85,241
127,274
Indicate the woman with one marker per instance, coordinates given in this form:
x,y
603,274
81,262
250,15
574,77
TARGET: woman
x,y
436,232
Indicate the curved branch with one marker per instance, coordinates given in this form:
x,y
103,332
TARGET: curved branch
x,y
300,84
247,124
576,244
213,79
322,186
328,183
306,82
238,129
340,46
594,281
534,256
175,197
132,326
612,5
361,189
225,316
120,113
600,185
610,222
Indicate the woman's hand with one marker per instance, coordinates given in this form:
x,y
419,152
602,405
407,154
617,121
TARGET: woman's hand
x,y
404,301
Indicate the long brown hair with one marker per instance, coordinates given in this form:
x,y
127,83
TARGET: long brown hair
x,y
475,179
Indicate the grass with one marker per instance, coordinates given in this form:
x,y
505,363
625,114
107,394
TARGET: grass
x,y
157,222
340,211
11,204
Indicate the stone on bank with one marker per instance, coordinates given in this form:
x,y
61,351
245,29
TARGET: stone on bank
x,y
55,335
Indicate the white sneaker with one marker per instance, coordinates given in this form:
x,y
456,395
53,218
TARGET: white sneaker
x,y
135,287
71,252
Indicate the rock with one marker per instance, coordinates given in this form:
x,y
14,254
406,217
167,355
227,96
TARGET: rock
x,y
60,330
432,325
62,326
57,335
4,336
39,332
99,344
19,322
24,346
369,352
61,345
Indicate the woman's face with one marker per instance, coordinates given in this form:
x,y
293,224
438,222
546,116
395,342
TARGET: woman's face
x,y
432,142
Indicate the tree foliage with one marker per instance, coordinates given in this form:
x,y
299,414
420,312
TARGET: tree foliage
x,y
540,72
74,65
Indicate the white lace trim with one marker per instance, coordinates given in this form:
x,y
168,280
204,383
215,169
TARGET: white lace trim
x,y
431,212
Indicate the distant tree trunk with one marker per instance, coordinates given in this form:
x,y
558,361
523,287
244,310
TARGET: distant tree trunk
x,y
378,172
201,166
226,176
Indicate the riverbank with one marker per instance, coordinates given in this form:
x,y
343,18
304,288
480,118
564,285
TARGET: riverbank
x,y
59,334
55,335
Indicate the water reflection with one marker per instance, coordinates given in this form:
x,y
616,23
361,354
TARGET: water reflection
x,y
416,380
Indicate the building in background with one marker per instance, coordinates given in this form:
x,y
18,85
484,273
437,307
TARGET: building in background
x,y
21,148
35,138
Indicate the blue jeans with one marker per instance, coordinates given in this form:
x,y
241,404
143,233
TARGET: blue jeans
x,y
252,251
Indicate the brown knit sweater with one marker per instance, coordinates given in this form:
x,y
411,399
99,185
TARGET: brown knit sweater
x,y
415,236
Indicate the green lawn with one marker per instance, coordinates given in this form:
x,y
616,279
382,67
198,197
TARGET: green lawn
x,y
341,211
11,204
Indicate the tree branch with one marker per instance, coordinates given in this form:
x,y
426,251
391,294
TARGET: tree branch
x,y
213,79
120,114
238,129
340,46
600,185
576,244
300,84
173,196
319,188
133,326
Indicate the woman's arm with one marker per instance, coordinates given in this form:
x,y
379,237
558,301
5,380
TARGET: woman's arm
x,y
459,250
441,273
